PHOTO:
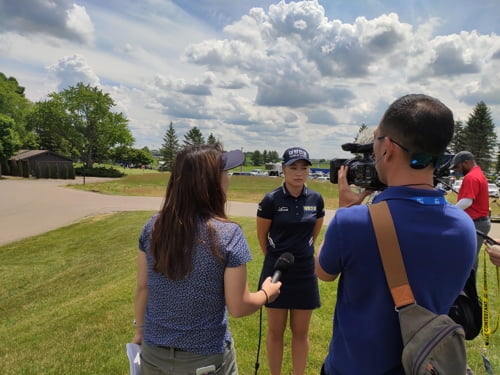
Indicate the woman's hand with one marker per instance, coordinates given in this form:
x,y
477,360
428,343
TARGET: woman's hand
x,y
271,289
138,336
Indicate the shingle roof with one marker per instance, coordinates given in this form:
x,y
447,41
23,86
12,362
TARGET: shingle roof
x,y
27,154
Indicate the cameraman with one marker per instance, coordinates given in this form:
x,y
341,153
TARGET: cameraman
x,y
437,240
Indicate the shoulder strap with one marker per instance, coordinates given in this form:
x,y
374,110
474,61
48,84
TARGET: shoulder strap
x,y
390,253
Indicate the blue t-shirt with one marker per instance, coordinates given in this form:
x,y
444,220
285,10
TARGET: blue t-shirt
x,y
438,244
293,220
190,314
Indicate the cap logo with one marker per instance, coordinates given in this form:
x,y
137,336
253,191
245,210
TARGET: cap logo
x,y
297,153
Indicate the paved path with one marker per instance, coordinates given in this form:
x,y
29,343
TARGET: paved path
x,y
31,207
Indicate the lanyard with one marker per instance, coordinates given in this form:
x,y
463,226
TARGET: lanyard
x,y
429,201
424,200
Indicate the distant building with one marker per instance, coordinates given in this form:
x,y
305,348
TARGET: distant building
x,y
41,164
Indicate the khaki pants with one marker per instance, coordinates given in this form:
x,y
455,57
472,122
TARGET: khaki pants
x,y
169,361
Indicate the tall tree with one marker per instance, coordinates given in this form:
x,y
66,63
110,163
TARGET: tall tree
x,y
480,135
193,137
52,126
497,165
211,139
14,105
101,129
274,156
170,148
459,142
257,158
360,137
9,139
265,157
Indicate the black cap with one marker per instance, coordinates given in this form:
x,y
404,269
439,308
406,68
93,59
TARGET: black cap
x,y
292,154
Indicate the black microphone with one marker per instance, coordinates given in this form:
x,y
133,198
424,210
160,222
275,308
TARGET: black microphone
x,y
281,265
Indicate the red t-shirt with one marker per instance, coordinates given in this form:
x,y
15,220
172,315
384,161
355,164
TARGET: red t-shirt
x,y
475,187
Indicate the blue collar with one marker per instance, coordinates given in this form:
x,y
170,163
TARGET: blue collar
x,y
421,196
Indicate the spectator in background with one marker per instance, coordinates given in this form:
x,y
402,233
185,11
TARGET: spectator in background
x,y
289,219
192,266
473,196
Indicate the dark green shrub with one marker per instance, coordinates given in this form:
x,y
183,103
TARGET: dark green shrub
x,y
98,172
45,171
20,169
5,167
26,168
38,171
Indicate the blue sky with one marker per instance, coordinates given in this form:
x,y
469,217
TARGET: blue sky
x,y
258,75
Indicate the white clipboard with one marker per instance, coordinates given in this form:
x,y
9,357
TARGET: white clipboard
x,y
134,358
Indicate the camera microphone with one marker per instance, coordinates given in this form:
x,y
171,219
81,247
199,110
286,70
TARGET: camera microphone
x,y
282,264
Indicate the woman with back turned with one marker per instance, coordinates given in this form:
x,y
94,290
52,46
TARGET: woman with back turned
x,y
191,266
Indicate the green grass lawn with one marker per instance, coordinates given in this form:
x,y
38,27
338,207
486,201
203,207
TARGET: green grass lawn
x,y
67,303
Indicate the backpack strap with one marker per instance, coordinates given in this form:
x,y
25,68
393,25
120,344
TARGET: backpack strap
x,y
390,253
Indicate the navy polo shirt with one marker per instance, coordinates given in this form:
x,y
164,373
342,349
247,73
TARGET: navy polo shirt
x,y
293,220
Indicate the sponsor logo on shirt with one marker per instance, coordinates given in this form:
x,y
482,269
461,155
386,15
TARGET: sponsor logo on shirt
x,y
283,209
309,208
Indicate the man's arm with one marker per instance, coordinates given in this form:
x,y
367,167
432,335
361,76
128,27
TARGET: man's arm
x,y
320,272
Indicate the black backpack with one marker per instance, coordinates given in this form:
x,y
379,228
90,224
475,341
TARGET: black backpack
x,y
467,309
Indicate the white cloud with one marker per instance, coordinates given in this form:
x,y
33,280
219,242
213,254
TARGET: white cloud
x,y
56,18
283,74
73,69
79,21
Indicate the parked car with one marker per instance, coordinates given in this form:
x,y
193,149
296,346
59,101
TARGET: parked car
x,y
456,185
493,190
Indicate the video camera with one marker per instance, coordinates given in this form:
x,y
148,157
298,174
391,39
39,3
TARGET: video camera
x,y
362,172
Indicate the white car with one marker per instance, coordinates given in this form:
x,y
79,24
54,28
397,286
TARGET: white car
x,y
456,185
493,191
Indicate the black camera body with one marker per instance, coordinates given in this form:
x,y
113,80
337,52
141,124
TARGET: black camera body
x,y
361,171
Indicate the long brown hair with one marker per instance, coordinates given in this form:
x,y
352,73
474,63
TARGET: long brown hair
x,y
194,195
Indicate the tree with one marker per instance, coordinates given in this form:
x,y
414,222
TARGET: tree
x,y
480,136
193,137
273,156
14,105
52,126
9,139
256,158
458,143
169,148
360,136
100,130
265,157
132,156
497,165
211,139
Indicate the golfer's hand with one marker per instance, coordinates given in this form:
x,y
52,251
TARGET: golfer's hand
x,y
347,197
494,253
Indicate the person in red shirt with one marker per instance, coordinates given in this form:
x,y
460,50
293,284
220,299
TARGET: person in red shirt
x,y
473,195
